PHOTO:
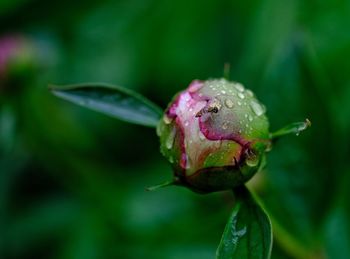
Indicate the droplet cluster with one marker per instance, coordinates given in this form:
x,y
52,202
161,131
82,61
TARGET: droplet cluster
x,y
236,99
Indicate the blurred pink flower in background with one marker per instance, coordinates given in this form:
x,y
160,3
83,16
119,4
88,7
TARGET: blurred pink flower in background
x,y
12,49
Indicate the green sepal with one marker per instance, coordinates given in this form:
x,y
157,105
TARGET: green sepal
x,y
162,185
293,128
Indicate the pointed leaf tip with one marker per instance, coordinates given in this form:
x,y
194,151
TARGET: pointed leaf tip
x,y
115,101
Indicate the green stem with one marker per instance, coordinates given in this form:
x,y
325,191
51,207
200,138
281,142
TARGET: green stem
x,y
293,128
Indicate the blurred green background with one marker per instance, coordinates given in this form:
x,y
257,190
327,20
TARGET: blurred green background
x,y
72,181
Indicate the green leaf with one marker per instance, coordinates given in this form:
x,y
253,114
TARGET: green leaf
x,y
114,101
248,232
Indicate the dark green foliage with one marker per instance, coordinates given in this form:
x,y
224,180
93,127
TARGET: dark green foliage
x,y
72,181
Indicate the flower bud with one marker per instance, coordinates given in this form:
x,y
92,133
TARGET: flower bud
x,y
215,135
18,59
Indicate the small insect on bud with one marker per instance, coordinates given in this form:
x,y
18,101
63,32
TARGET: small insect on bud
x,y
215,135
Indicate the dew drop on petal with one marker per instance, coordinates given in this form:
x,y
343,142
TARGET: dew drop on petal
x,y
166,119
252,159
188,164
240,95
268,147
249,93
228,103
257,108
170,140
239,87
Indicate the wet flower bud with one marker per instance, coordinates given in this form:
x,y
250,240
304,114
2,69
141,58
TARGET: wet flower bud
x,y
215,134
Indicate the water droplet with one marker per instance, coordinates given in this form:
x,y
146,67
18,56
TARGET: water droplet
x,y
257,108
252,159
239,87
268,147
240,95
223,92
170,140
246,115
249,93
191,109
250,118
166,119
302,127
186,123
239,103
188,164
228,103
236,234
